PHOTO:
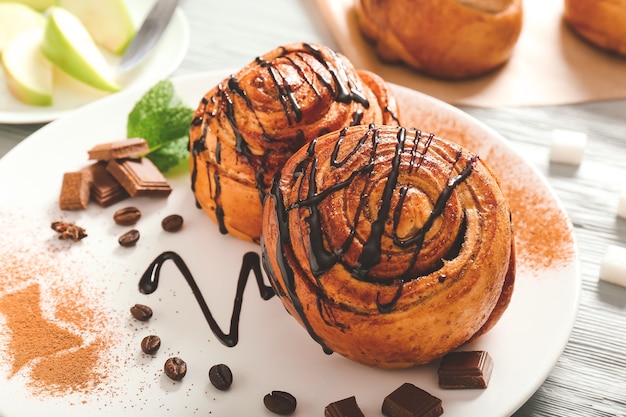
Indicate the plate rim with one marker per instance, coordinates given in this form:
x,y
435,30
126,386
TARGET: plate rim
x,y
218,74
39,115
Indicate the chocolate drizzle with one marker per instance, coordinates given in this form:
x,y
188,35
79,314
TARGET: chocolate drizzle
x,y
285,268
346,89
321,69
229,110
311,194
150,281
219,211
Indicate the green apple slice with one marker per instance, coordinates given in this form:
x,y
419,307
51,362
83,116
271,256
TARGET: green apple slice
x,y
15,18
108,21
28,74
68,45
39,5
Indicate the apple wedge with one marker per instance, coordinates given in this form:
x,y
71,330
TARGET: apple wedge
x,y
68,45
39,5
15,18
108,21
28,74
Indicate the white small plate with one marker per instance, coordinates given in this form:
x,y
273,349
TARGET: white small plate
x,y
70,94
274,352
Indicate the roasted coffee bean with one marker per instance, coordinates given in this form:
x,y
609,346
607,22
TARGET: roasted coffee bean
x,y
221,376
172,223
151,344
129,238
127,216
175,368
280,402
141,312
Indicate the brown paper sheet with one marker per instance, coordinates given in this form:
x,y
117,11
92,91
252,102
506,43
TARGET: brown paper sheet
x,y
550,65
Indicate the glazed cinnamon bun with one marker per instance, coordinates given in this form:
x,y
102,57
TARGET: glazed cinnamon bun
x,y
246,127
390,246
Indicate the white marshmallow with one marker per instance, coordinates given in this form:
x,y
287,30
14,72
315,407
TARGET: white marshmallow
x,y
613,267
567,146
621,205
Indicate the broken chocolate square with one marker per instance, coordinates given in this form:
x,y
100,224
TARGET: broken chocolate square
x,y
343,408
75,190
139,177
411,401
126,148
463,370
105,189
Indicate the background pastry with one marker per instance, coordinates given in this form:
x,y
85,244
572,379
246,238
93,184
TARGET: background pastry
x,y
247,126
389,246
444,38
601,22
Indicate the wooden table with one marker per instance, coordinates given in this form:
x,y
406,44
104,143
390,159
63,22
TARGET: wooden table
x,y
590,377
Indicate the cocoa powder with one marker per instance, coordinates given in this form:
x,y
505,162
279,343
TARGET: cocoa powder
x,y
543,233
31,335
69,371
55,335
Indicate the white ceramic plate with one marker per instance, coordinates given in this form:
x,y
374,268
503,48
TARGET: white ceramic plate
x,y
70,94
274,352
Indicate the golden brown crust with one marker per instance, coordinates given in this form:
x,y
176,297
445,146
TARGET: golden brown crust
x,y
445,38
390,246
600,22
250,123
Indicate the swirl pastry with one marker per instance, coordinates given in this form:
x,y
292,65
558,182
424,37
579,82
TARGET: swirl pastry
x,y
600,22
246,127
452,39
389,246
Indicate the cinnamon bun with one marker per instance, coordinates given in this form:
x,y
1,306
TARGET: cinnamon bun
x,y
246,127
600,22
453,39
390,246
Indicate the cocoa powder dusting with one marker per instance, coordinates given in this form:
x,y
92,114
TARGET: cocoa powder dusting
x,y
544,237
31,335
70,370
543,232
54,332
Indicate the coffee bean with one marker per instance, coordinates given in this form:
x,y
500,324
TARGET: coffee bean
x,y
172,223
151,344
280,402
175,368
141,312
221,376
129,238
127,216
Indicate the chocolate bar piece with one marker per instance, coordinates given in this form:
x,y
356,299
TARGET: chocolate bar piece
x,y
343,408
126,148
411,401
139,177
75,191
105,189
471,369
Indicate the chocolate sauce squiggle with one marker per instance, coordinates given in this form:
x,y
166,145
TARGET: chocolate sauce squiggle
x,y
251,263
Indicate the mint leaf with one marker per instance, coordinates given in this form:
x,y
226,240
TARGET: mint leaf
x,y
170,155
162,119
